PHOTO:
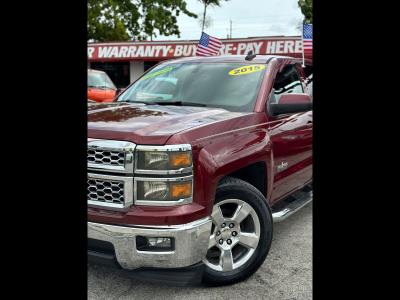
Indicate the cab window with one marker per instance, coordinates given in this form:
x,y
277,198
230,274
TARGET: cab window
x,y
286,82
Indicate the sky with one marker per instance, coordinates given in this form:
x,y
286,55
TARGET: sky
x,y
249,18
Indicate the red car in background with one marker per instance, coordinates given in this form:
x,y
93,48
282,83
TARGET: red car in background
x,y
100,87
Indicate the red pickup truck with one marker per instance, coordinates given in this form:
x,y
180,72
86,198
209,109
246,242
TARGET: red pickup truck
x,y
193,163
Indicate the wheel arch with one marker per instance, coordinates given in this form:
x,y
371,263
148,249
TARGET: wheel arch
x,y
255,168
247,173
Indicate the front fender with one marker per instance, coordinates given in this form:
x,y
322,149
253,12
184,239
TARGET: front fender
x,y
227,153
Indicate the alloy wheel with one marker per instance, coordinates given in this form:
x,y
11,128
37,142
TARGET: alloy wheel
x,y
234,236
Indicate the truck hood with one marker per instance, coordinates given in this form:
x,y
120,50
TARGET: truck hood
x,y
148,124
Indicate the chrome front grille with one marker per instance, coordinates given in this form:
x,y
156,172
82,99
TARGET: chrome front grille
x,y
104,157
109,190
109,155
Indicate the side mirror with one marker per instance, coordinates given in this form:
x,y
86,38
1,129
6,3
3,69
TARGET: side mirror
x,y
290,104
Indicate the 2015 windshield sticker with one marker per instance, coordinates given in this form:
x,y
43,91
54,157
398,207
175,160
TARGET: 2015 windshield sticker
x,y
246,70
158,73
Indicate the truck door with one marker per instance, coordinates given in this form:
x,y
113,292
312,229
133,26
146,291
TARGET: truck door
x,y
291,137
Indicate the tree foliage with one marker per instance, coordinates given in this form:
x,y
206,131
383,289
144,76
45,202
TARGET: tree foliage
x,y
207,23
122,20
306,9
207,3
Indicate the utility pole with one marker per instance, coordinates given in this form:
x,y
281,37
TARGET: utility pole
x,y
230,35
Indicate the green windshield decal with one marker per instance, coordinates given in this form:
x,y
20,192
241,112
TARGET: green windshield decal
x,y
158,73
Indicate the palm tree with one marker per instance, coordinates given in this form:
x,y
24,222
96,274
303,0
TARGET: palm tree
x,y
209,3
205,24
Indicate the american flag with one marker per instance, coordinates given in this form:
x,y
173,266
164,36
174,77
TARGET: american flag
x,y
307,37
208,45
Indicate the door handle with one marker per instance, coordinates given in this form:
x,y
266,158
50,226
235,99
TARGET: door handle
x,y
309,124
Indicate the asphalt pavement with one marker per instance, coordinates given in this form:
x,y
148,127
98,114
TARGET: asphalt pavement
x,y
285,274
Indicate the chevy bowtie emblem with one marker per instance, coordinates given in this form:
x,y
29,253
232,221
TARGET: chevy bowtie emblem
x,y
282,166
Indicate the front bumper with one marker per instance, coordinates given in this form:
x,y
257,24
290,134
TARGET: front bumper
x,y
191,243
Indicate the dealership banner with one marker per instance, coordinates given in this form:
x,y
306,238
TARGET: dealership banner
x,y
291,46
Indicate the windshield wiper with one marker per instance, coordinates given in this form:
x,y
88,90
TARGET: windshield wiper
x,y
143,102
181,103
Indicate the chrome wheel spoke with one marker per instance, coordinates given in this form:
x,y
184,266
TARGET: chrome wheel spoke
x,y
217,216
212,242
230,232
241,212
249,240
226,260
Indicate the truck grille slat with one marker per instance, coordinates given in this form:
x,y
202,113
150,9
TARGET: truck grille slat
x,y
109,155
112,158
109,191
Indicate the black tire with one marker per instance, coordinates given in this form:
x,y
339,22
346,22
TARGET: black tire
x,y
233,188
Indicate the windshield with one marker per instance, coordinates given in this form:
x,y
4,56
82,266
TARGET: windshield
x,y
100,80
232,86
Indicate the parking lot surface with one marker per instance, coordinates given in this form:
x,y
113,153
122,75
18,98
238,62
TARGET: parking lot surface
x,y
285,274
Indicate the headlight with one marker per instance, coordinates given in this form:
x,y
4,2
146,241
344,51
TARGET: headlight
x,y
170,159
163,191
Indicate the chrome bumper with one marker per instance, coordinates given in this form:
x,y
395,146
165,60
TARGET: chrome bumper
x,y
191,243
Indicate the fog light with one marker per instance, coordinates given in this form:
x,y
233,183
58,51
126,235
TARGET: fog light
x,y
154,243
159,242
